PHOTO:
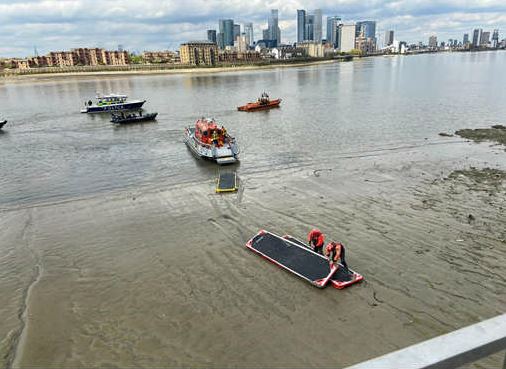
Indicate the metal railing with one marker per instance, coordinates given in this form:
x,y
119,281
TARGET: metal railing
x,y
448,351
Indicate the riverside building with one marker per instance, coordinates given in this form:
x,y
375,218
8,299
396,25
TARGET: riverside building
x,y
199,53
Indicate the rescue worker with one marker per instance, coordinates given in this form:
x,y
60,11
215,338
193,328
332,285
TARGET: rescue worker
x,y
316,240
215,137
335,252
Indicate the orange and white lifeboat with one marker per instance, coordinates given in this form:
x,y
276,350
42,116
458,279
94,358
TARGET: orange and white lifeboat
x,y
208,140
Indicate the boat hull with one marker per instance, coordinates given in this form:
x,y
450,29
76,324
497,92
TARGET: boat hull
x,y
227,154
144,118
132,105
2,123
257,106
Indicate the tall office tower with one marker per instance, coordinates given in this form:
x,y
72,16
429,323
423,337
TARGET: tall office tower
x,y
368,28
301,25
211,35
220,40
477,37
273,29
265,34
485,38
465,41
309,31
237,31
248,30
433,41
389,38
495,39
227,28
346,37
333,30
317,27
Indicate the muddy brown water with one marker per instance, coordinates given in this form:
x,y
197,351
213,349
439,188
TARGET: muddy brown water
x,y
105,263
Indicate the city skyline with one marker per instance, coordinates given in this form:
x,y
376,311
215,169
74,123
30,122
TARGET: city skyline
x,y
156,25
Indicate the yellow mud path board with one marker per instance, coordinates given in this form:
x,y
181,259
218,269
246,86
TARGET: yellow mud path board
x,y
227,182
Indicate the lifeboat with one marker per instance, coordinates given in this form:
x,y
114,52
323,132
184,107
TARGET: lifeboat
x,y
263,102
207,140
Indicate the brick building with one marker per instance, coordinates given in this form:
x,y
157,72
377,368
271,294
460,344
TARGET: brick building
x,y
199,53
154,57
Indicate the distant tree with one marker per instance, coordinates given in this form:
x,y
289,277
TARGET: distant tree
x,y
135,59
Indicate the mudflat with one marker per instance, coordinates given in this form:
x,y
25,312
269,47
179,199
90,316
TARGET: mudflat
x,y
161,277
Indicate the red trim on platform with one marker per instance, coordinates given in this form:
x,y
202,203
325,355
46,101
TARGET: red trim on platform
x,y
320,283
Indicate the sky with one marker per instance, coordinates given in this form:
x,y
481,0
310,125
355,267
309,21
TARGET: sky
x,y
141,25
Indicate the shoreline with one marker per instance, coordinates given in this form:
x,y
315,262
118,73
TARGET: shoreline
x,y
200,70
174,71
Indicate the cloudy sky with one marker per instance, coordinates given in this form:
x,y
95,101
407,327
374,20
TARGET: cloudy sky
x,y
163,24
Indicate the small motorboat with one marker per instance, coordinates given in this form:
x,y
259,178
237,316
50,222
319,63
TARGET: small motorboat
x,y
111,102
208,141
2,123
122,118
263,102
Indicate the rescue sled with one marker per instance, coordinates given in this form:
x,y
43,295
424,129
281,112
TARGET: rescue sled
x,y
227,182
340,279
292,257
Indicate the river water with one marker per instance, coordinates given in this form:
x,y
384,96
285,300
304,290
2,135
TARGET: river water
x,y
115,250
49,151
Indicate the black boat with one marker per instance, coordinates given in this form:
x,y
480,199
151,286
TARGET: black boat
x,y
2,123
123,118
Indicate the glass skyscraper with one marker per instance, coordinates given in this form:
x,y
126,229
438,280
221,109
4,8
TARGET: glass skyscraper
x,y
227,29
317,26
273,32
248,30
211,35
301,25
368,27
333,30
309,26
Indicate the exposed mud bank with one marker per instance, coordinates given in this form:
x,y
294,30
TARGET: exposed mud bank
x,y
496,133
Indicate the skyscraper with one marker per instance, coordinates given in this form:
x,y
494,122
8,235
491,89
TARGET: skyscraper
x,y
227,28
248,30
309,28
476,37
220,40
485,38
237,31
301,25
389,38
495,38
317,27
368,28
465,41
272,28
433,41
211,35
333,30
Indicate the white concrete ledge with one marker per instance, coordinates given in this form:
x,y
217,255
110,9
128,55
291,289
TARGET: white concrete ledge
x,y
448,351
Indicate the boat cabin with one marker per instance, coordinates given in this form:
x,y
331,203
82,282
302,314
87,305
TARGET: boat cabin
x,y
208,132
111,99
264,99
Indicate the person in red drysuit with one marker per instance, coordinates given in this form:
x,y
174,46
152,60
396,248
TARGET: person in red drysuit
x,y
316,240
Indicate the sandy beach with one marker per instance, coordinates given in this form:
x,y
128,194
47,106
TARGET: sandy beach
x,y
161,278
